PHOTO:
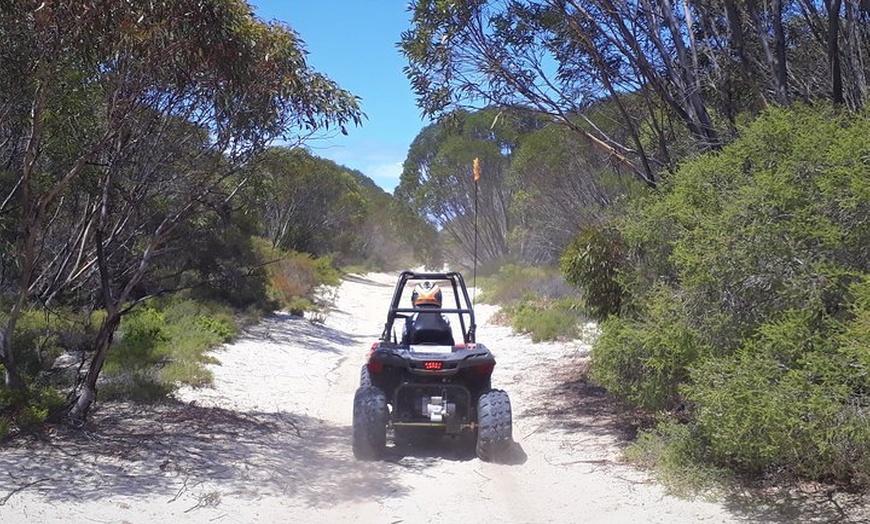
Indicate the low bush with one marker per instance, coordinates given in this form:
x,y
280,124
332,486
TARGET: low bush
x,y
40,337
645,361
159,344
677,454
162,344
794,399
514,283
293,278
28,410
547,319
43,335
165,342
536,301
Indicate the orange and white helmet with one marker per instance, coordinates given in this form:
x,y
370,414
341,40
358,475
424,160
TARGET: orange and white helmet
x,y
426,293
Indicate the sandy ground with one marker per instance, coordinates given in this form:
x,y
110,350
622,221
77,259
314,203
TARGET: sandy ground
x,y
270,442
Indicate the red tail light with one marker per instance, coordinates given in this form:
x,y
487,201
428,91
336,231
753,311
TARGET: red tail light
x,y
483,369
432,366
374,367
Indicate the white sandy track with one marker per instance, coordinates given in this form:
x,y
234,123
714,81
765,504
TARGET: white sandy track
x,y
271,443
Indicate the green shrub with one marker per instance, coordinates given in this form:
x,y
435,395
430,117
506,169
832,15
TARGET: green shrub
x,y
547,320
740,296
222,328
591,262
779,227
209,318
28,409
41,336
536,300
513,283
854,340
775,221
679,458
786,401
644,361
293,278
31,416
163,344
11,402
140,342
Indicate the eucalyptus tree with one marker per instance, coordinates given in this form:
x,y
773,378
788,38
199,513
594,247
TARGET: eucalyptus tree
x,y
840,31
560,184
438,183
305,203
697,65
126,123
390,237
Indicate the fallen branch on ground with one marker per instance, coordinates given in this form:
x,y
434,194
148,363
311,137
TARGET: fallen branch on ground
x,y
18,489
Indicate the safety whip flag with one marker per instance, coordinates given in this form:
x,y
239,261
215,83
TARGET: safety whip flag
x,y
476,167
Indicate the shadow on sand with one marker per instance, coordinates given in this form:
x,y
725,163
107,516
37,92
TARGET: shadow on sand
x,y
459,449
162,450
576,404
304,334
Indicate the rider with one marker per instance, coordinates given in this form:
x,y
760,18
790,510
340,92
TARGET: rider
x,y
427,326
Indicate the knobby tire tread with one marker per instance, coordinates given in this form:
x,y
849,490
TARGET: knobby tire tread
x,y
369,423
495,425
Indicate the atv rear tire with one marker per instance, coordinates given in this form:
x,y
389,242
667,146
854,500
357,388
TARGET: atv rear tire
x,y
369,423
494,425
364,378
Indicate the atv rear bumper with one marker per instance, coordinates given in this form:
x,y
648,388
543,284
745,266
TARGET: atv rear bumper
x,y
434,387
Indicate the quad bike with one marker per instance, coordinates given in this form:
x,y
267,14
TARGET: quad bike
x,y
424,383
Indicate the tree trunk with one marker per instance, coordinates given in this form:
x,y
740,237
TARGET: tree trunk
x,y
776,67
690,33
88,392
781,72
834,50
31,215
690,82
11,378
854,53
738,44
648,176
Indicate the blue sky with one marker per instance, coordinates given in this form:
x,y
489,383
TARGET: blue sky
x,y
353,42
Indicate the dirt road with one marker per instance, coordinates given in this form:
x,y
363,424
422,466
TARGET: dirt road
x,y
271,443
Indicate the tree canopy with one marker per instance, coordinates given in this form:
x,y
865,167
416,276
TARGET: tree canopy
x,y
692,68
122,125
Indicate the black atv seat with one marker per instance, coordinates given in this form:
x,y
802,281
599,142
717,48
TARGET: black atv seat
x,y
429,328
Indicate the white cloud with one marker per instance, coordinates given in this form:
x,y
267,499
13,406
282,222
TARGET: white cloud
x,y
385,175
379,160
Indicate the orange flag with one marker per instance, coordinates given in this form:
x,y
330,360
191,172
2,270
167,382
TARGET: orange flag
x,y
476,167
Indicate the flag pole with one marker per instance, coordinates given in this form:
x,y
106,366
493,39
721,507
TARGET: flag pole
x,y
476,169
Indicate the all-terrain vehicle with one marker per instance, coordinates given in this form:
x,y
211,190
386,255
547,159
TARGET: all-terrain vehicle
x,y
430,381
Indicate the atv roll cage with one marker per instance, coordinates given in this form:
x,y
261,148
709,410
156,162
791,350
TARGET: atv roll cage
x,y
463,308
